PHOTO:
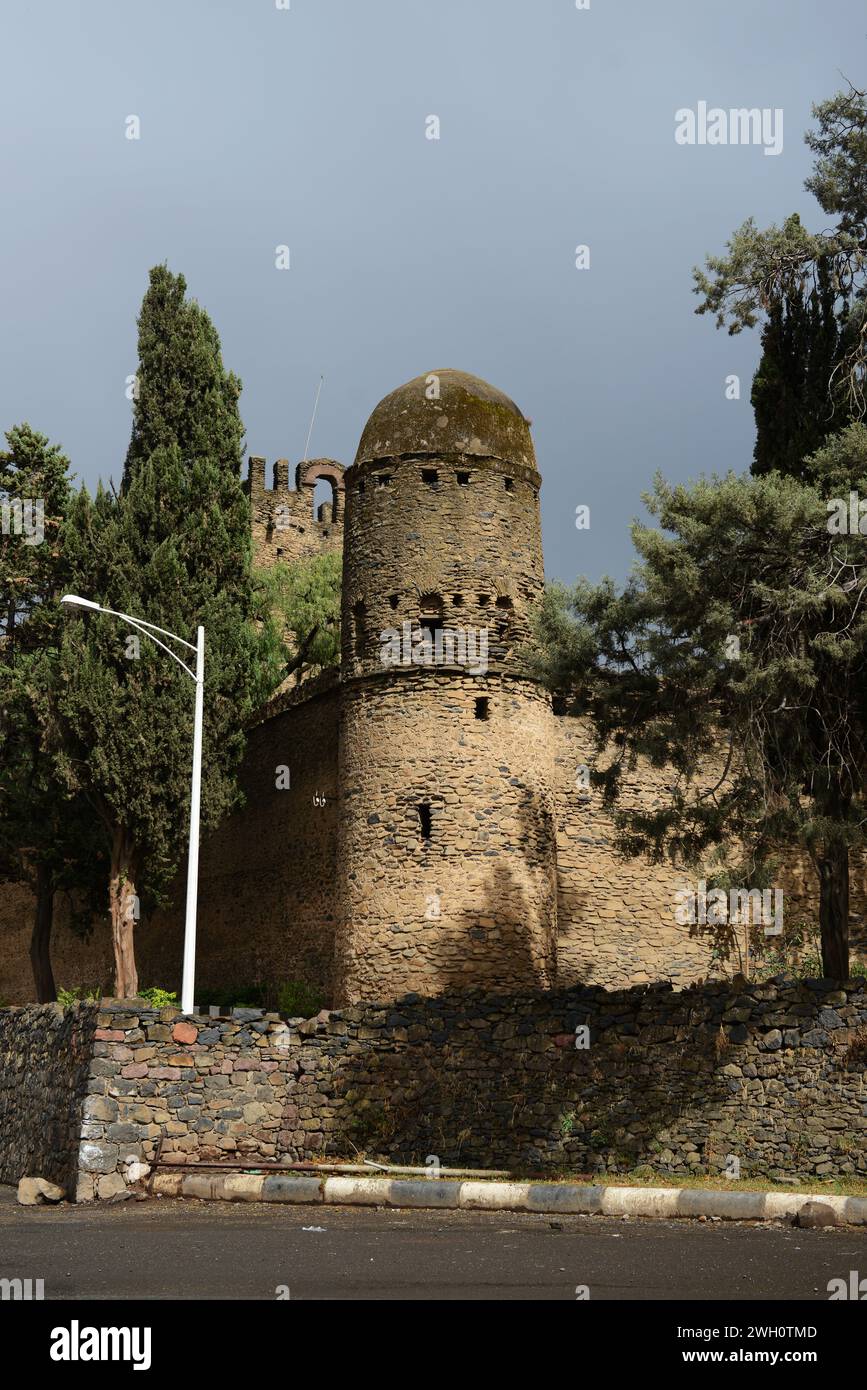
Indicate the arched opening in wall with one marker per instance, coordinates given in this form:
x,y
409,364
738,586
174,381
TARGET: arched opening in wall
x,y
324,500
359,629
430,613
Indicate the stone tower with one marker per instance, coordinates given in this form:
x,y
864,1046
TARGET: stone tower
x,y
284,524
447,871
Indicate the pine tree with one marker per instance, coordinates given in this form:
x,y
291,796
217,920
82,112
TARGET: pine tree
x,y
740,643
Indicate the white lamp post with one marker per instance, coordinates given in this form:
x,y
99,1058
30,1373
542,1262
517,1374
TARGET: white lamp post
x,y
148,629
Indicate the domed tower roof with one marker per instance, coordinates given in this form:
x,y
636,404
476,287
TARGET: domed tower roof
x,y
447,412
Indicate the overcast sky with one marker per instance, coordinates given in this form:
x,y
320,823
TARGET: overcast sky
x,y
306,127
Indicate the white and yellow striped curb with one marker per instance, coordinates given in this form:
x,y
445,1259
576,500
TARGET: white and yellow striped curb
x,y
569,1198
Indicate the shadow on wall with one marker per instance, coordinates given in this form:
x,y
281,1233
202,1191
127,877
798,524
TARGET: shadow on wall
x,y
487,1087
496,948
46,1052
509,939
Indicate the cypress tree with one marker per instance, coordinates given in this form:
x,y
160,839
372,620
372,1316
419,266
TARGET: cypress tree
x,y
183,394
174,548
793,397
47,841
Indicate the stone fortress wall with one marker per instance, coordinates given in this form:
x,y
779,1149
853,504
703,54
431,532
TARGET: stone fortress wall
x,y
582,1080
283,523
432,836
268,908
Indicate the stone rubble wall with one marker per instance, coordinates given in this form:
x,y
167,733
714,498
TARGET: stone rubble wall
x,y
474,905
317,888
267,873
774,1075
293,533
45,1055
76,961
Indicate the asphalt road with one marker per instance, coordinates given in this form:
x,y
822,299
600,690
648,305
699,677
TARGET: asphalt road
x,y
163,1249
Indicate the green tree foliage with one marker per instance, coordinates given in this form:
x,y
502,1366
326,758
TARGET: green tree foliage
x,y
183,394
174,548
809,289
302,604
791,399
48,840
736,658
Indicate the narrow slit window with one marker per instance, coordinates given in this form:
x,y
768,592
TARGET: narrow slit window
x,y
483,707
393,600
360,629
509,484
424,820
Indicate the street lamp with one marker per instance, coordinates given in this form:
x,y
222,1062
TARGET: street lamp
x,y
148,630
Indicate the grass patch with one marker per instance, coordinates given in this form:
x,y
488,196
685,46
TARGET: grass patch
x,y
839,1187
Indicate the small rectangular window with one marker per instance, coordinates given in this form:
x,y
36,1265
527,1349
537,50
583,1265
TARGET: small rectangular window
x,y
464,479
424,820
429,476
509,484
483,707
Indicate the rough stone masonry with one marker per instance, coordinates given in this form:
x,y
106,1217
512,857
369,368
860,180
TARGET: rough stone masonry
x,y
773,1076
434,833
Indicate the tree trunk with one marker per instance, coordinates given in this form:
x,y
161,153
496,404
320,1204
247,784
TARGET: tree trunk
x,y
40,940
834,910
123,907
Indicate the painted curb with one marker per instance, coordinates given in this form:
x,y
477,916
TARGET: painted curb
x,y
567,1198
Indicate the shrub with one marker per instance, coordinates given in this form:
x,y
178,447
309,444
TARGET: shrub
x,y
296,999
159,998
77,995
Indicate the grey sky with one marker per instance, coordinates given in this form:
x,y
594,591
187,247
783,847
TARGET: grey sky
x,y
306,127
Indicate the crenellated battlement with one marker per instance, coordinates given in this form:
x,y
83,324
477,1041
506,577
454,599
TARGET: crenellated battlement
x,y
284,524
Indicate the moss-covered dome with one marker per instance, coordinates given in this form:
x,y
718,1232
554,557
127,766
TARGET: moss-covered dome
x,y
468,416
